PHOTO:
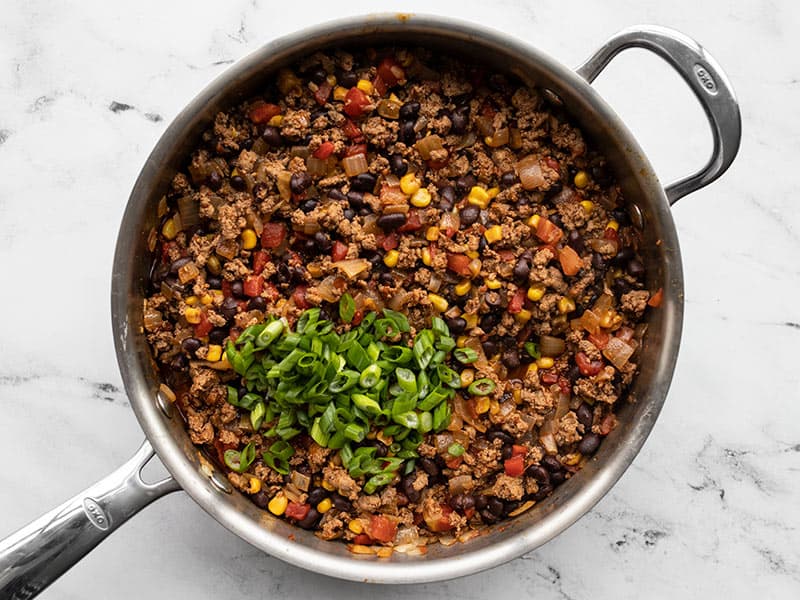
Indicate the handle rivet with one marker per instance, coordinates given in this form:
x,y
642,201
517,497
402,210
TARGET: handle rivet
x,y
164,404
220,482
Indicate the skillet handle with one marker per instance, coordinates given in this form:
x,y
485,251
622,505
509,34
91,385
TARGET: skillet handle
x,y
42,551
706,79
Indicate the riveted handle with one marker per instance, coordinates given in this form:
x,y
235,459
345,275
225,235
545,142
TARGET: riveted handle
x,y
706,79
42,551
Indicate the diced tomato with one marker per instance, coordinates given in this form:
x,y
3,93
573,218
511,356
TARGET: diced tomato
x,y
323,93
298,511
454,462
253,286
299,297
379,85
358,317
382,528
363,539
351,130
438,520
260,260
438,164
234,333
517,301
518,450
262,112
549,378
459,263
611,234
599,339
552,163
390,242
412,222
165,250
608,424
564,386
391,72
354,149
339,251
324,151
227,291
468,512
355,102
204,327
515,466
273,235
587,366
571,263
548,232
655,299
242,304
506,255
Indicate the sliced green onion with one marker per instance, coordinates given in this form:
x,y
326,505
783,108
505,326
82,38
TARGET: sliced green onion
x,y
455,449
269,334
354,432
369,376
367,404
406,379
344,381
532,350
257,415
481,387
423,348
347,308
240,461
465,355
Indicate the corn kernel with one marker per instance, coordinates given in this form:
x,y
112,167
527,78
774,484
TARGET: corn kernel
x,y
494,407
168,230
421,198
427,259
384,552
439,303
391,258
355,526
192,300
463,288
533,221
255,485
493,234
535,292
432,233
314,270
566,305
328,485
365,85
467,377
493,284
533,368
409,184
249,239
588,206
324,506
393,98
492,192
573,458
474,267
276,121
612,224
216,295
482,405
206,299
478,197
523,316
610,320
516,395
214,353
277,506
471,319
339,93
581,179
192,315
545,362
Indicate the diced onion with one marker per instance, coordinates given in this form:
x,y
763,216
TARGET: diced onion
x,y
316,167
301,151
460,484
618,352
284,189
427,145
301,480
451,221
498,138
388,109
189,209
530,173
467,140
355,165
352,268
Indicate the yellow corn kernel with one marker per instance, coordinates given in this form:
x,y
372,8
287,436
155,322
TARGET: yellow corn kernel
x,y
432,233
365,85
493,234
482,405
339,93
206,299
192,315
328,485
535,292
255,485
421,198
463,288
391,258
461,341
494,407
324,506
610,320
533,221
573,458
493,284
409,184
314,270
581,179
475,266
277,506
331,79
566,305
492,192
545,362
384,552
472,253
439,303
533,368
588,206
355,526
216,295
394,98
478,197
427,259
168,230
471,319
467,377
276,121
517,396
523,316
612,224
192,300
249,239
214,353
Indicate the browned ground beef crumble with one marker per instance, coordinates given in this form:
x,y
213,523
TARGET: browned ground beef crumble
x,y
520,235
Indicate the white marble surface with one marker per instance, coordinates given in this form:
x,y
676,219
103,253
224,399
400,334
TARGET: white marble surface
x,y
710,507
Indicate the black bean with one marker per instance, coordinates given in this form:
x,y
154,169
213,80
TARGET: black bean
x,y
247,143
490,348
457,325
317,495
469,214
481,501
489,321
217,335
555,219
336,194
636,269
341,503
272,135
322,241
238,183
348,79
623,256
409,110
557,478
407,133
173,283
462,502
551,463
539,473
488,517
311,519
459,120
349,214
392,221
508,179
179,363
447,198
510,506
482,245
407,487
465,183
176,265
544,492
364,210
257,303
511,359
589,444
237,289
598,262
261,499
493,299
521,270
575,241
429,466
320,112
310,246
381,449
214,181
585,416
506,452
398,166
308,205
387,279
495,506
621,216
299,182
364,182
191,345
319,75
499,434
229,308
355,198
620,286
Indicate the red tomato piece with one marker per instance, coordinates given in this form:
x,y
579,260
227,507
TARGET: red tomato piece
x,y
355,102
204,327
552,163
227,291
587,366
439,520
260,260
299,297
412,222
362,539
599,339
391,72
611,234
351,130
515,466
356,149
339,251
459,263
549,378
571,263
390,242
379,85
323,93
273,235
298,511
655,299
453,462
253,286
517,450
262,112
358,317
381,528
517,301
324,151
548,232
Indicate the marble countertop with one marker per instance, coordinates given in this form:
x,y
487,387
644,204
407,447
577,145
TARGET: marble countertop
x,y
710,506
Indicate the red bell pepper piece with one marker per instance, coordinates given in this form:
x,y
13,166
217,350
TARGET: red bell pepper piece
x,y
338,251
260,260
382,529
517,301
515,466
273,235
262,112
324,151
295,510
355,102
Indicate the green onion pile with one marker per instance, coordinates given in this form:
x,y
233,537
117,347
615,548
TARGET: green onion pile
x,y
339,388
